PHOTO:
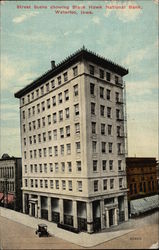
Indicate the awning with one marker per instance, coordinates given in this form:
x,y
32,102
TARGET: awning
x,y
144,204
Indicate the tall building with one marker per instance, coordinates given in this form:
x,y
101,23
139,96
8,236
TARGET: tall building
x,y
11,182
73,143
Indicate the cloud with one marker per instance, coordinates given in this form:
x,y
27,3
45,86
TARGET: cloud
x,y
123,13
96,19
23,17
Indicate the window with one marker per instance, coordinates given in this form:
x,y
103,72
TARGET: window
x,y
47,87
105,184
75,90
94,145
94,166
76,109
120,182
42,90
31,183
110,146
31,168
31,154
23,100
91,69
55,134
103,147
29,126
108,112
44,137
44,152
62,149
56,167
79,186
38,108
70,185
116,80
36,183
41,183
34,125
51,167
61,115
119,148
110,165
60,97
39,124
68,147
54,118
104,162
119,165
78,147
65,76
109,129
50,151
66,95
118,131
23,114
29,112
25,169
108,76
26,182
67,113
75,71
63,185
33,110
67,131
34,138
93,127
61,132
92,88
43,106
78,163
53,84
101,92
54,101
95,186
40,168
48,103
40,152
49,119
59,80
101,73
25,155
24,141
51,184
108,94
117,97
92,108
57,184
62,166
24,129
111,183
28,98
37,93
77,128
69,166
102,129
55,151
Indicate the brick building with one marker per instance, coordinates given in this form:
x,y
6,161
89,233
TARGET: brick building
x,y
11,182
73,143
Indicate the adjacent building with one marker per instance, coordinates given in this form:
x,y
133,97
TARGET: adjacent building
x,y
11,182
73,136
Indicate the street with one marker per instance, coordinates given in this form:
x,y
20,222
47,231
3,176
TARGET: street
x,y
14,235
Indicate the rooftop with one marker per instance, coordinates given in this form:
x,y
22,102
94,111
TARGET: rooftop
x,y
79,55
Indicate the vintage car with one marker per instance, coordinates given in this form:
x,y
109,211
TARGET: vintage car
x,y
42,230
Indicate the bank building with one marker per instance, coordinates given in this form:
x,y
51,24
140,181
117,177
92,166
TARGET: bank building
x,y
73,137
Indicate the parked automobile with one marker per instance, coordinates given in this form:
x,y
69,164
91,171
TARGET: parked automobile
x,y
42,230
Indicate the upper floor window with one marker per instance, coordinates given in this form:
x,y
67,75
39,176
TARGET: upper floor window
x,y
43,106
120,182
79,186
92,88
110,147
108,112
76,109
119,165
32,95
53,84
54,101
61,115
95,186
101,92
67,113
61,132
102,129
28,98
23,100
104,162
108,94
42,90
57,184
67,131
103,147
111,183
47,87
75,71
91,69
75,90
77,128
37,93
68,147
55,134
101,73
48,103
93,127
63,185
105,184
111,165
23,114
69,166
109,129
92,108
94,145
54,118
94,166
70,185
117,97
78,147
116,80
78,166
102,110
60,97
66,95
59,80
65,76
108,76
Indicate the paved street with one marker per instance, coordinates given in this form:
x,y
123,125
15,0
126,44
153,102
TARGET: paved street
x,y
14,235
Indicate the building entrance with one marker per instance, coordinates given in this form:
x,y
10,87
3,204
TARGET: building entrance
x,y
111,217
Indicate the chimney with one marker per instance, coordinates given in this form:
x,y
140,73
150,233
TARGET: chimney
x,y
52,64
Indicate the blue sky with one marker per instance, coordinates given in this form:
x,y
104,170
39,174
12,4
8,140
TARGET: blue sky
x,y
30,39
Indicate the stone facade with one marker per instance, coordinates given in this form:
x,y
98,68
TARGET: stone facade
x,y
73,143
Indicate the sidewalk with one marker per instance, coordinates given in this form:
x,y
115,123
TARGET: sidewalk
x,y
81,239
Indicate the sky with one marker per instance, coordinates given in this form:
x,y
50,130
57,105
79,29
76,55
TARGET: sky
x,y
31,38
